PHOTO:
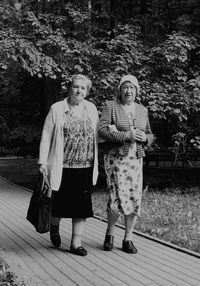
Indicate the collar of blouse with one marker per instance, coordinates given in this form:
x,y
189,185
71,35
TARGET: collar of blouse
x,y
76,110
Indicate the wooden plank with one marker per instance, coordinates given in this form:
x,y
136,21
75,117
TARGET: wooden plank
x,y
38,260
36,273
78,273
138,263
19,265
135,274
177,256
130,281
113,279
148,246
160,247
155,264
172,264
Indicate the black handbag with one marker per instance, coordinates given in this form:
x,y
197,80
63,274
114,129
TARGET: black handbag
x,y
39,210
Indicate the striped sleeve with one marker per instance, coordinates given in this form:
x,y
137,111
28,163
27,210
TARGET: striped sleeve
x,y
103,127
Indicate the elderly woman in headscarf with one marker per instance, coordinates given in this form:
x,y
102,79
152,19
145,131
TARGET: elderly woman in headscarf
x,y
124,125
68,155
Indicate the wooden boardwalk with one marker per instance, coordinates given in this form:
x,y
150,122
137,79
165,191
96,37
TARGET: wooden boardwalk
x,y
36,263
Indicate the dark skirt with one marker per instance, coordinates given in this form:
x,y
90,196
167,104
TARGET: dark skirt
x,y
73,199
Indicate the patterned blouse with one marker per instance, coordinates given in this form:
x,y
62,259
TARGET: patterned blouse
x,y
78,141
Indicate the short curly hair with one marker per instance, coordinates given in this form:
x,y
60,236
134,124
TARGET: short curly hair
x,y
83,77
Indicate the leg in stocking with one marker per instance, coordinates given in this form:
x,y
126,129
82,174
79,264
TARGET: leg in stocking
x,y
127,243
109,238
130,221
112,220
55,221
54,231
77,232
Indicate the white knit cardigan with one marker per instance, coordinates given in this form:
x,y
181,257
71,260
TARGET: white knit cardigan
x,y
51,145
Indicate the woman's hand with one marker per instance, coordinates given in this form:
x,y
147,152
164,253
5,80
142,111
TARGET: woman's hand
x,y
112,128
137,135
43,169
140,135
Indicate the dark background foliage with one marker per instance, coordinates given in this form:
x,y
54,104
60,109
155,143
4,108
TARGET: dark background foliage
x,y
43,43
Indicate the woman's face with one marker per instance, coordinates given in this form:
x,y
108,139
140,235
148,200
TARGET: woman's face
x,y
128,92
78,91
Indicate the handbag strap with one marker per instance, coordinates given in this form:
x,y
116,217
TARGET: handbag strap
x,y
46,181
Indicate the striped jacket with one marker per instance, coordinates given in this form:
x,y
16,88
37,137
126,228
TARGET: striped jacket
x,y
114,114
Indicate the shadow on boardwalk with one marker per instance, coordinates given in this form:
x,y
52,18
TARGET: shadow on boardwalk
x,y
36,263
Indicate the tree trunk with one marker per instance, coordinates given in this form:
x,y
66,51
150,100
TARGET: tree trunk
x,y
112,19
130,9
143,7
167,21
44,6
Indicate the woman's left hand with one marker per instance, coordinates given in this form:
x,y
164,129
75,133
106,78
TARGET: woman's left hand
x,y
43,169
140,135
112,128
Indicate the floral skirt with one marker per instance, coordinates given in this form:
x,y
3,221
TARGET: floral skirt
x,y
124,177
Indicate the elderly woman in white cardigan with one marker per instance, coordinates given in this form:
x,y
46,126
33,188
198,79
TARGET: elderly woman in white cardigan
x,y
124,124
68,155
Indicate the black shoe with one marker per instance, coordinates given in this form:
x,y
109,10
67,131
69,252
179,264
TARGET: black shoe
x,y
55,236
128,246
78,251
108,242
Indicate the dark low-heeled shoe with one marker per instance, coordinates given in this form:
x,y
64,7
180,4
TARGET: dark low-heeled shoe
x,y
108,242
128,246
81,251
55,236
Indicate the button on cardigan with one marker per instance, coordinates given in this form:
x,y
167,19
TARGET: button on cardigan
x,y
51,145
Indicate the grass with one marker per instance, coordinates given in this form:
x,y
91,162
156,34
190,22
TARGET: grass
x,y
171,214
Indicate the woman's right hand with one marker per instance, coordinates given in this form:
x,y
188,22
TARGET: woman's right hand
x,y
43,169
137,135
131,135
140,135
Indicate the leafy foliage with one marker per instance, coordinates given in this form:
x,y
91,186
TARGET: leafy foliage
x,y
44,42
